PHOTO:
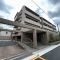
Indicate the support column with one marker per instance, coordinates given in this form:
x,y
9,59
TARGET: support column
x,y
11,36
34,39
15,38
47,37
22,37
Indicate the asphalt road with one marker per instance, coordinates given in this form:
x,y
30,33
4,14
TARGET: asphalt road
x,y
53,55
6,43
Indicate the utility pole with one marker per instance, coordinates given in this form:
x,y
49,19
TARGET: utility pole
x,y
58,27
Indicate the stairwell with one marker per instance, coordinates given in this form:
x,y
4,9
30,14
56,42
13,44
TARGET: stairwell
x,y
26,44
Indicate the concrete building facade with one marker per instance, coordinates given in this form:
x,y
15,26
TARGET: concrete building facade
x,y
33,36
5,35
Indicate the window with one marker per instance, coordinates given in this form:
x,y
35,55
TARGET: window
x,y
20,19
32,12
17,17
32,25
44,24
31,18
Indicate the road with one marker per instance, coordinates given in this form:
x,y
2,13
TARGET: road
x,y
53,55
6,43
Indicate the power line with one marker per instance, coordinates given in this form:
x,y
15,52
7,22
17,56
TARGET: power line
x,y
41,9
38,6
45,6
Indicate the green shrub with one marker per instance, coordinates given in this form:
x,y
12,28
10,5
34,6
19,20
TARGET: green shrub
x,y
51,37
54,38
59,35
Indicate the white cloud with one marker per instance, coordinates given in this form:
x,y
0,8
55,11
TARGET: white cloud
x,y
17,5
44,5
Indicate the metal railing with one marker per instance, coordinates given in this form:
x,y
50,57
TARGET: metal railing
x,y
28,42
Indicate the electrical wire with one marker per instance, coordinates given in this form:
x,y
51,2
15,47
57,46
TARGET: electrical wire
x,y
41,9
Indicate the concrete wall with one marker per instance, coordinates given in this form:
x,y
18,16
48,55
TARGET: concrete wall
x,y
44,38
54,34
5,35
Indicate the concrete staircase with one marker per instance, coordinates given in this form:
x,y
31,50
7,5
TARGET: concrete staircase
x,y
24,45
28,42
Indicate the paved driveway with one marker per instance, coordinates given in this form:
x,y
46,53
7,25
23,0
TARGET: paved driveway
x,y
6,43
9,48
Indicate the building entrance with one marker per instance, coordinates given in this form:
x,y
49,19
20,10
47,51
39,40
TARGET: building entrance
x,y
40,38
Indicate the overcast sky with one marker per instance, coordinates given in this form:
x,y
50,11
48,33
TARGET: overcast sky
x,y
8,9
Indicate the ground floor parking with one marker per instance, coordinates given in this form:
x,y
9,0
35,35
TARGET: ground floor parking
x,y
34,37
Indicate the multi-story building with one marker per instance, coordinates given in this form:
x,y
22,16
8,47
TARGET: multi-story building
x,y
40,34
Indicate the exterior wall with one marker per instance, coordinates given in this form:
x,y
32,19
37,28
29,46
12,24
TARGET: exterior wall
x,y
54,34
45,27
32,14
32,22
5,38
47,23
5,35
30,18
45,38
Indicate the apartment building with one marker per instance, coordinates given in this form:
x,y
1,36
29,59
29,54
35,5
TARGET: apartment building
x,y
34,37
